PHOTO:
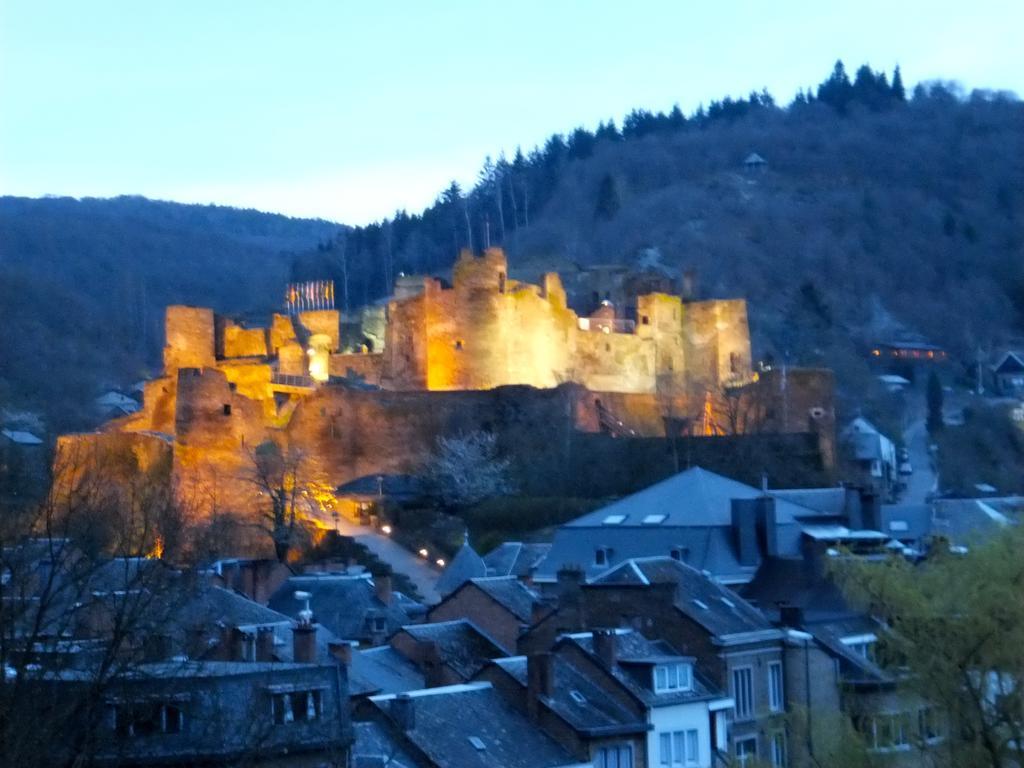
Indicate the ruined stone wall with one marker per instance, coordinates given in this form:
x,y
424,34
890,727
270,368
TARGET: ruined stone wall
x,y
189,337
366,368
235,340
716,340
282,332
614,362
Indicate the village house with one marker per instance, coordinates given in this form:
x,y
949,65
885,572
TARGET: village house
x,y
447,652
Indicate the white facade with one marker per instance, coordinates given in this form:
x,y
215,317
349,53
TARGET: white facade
x,y
686,719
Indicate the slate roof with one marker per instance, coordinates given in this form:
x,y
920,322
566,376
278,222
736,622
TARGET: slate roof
x,y
634,654
466,565
907,522
20,437
577,699
718,609
967,521
382,670
344,604
393,486
461,644
445,730
793,581
377,747
826,501
691,511
510,593
515,558
853,667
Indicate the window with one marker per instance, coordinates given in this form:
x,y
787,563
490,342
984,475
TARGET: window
x,y
734,363
458,345
578,697
645,320
501,282
227,409
613,520
775,700
672,677
602,555
146,719
743,692
679,748
297,706
746,751
777,749
929,723
616,756
862,645
682,554
885,732
654,519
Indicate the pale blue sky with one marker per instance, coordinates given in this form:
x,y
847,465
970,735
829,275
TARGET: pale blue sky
x,y
349,110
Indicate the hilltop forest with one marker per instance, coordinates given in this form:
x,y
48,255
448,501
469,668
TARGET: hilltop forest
x,y
877,213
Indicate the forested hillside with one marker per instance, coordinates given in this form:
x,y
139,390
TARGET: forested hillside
x,y
878,213
83,286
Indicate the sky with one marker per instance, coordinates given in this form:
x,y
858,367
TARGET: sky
x,y
351,110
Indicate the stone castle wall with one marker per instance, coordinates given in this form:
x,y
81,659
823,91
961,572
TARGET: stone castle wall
x,y
190,337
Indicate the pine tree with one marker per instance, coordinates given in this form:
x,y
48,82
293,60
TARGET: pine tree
x,y
898,93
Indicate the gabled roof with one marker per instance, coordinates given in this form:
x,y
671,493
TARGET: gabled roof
x,y
634,655
515,558
1010,362
510,593
344,604
690,512
382,670
577,699
471,726
718,609
466,565
461,644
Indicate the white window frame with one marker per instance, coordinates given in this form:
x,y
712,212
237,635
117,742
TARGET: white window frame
x,y
679,752
623,756
677,676
777,749
776,687
746,713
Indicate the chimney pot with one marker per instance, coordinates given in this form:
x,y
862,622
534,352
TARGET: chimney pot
x,y
264,644
382,588
304,643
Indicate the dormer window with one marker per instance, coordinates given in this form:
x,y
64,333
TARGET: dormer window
x,y
669,678
602,555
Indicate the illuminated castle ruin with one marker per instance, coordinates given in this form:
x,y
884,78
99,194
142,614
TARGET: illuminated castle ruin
x,y
372,397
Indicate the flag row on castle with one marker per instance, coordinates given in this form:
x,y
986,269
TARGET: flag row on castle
x,y
310,295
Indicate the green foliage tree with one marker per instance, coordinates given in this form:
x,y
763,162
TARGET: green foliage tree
x,y
935,397
608,201
899,93
955,633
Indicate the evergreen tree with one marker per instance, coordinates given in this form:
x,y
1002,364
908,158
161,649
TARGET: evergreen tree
x,y
608,202
837,91
581,144
899,94
676,118
934,397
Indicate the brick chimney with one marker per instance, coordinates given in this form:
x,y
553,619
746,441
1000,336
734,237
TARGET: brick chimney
x,y
265,644
304,643
540,681
341,652
403,711
604,646
382,588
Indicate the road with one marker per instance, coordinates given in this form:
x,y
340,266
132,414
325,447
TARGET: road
x,y
924,480
401,560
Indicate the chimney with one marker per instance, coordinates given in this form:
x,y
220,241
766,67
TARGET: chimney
x,y
744,529
382,588
767,524
604,646
791,616
304,643
540,681
403,711
265,644
871,511
341,652
569,581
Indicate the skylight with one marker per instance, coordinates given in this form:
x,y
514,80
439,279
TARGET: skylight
x,y
700,603
578,697
728,602
654,519
614,519
477,743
